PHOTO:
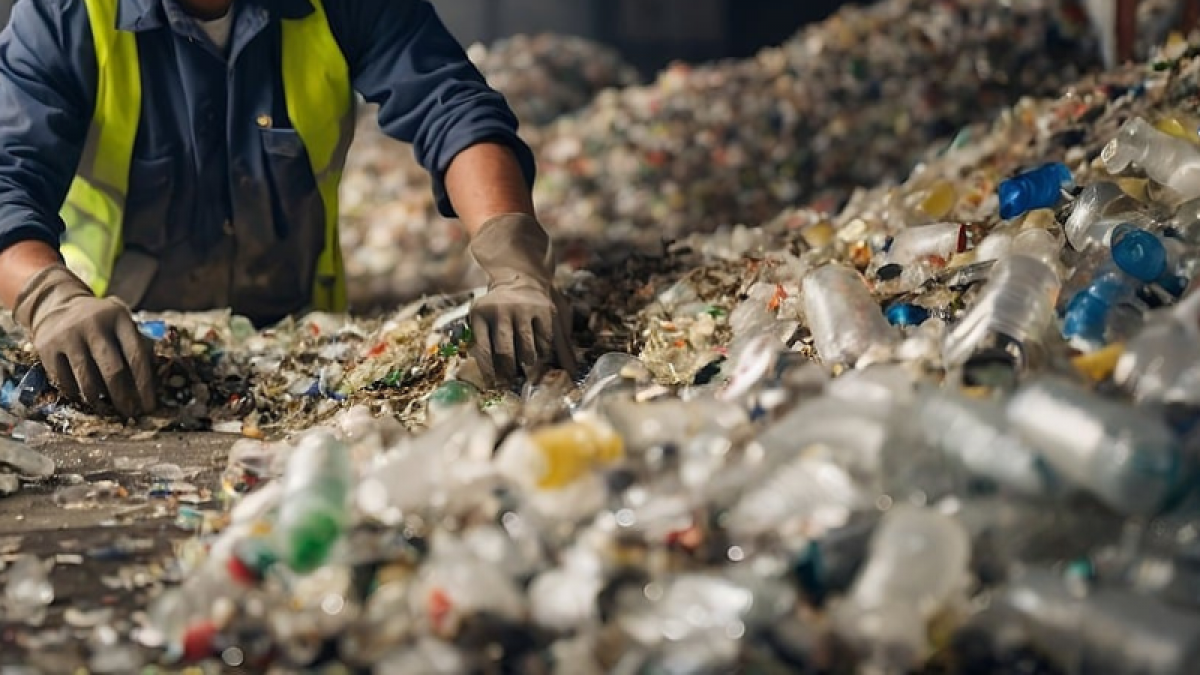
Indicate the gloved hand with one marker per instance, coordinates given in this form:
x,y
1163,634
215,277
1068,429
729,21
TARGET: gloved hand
x,y
90,347
522,322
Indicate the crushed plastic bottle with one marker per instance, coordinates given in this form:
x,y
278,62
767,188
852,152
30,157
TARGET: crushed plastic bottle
x,y
845,320
1011,316
1173,162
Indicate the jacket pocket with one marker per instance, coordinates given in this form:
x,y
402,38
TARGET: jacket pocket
x,y
285,254
148,203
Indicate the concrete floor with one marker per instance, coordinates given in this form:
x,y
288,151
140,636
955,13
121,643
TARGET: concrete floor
x,y
129,536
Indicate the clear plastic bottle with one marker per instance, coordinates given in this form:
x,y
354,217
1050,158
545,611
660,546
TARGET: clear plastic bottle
x,y
994,246
917,569
1161,364
815,491
939,239
1108,630
1016,304
668,421
1098,210
1039,244
845,320
28,592
612,372
975,434
1130,459
429,470
314,510
857,435
548,398
695,604
1186,222
1167,160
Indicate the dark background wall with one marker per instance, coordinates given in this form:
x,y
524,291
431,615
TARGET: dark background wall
x,y
649,33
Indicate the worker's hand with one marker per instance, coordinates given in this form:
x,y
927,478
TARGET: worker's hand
x,y
522,323
90,347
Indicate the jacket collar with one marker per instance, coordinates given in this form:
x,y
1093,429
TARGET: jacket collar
x,y
142,15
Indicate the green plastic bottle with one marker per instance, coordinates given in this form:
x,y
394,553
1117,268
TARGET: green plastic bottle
x,y
314,510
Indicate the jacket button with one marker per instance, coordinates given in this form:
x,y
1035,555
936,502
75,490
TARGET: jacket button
x,y
264,121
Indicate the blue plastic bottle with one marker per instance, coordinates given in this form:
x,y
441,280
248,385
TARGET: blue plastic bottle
x,y
1087,313
1038,189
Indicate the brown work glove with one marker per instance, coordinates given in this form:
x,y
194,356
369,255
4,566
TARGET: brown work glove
x,y
90,347
522,323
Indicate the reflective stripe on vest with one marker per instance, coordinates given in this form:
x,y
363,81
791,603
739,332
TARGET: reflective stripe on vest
x,y
320,104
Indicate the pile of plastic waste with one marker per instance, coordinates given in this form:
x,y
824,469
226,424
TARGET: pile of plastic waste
x,y
950,427
546,76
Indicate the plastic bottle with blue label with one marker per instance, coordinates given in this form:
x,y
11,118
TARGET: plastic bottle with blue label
x,y
1090,318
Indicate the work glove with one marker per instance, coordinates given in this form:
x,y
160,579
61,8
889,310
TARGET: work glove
x,y
90,347
522,323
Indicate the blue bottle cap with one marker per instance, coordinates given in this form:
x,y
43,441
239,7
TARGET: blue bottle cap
x,y
155,330
1140,254
904,314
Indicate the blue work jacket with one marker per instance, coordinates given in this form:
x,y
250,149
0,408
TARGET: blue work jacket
x,y
209,189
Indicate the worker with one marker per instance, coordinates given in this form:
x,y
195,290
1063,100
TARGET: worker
x,y
185,155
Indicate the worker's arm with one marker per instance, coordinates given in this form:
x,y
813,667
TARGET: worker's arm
x,y
89,346
465,135
485,181
44,105
430,95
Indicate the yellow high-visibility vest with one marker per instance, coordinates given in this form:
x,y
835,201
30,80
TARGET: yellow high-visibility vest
x,y
316,84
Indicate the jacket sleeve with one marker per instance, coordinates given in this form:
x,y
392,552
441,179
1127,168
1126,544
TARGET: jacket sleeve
x,y
403,58
45,112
